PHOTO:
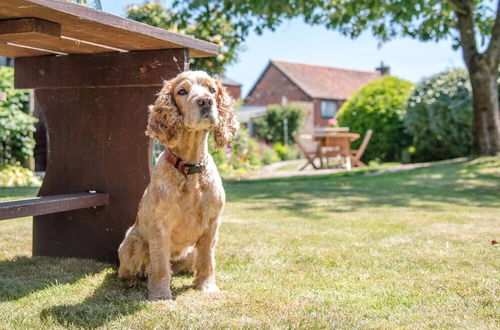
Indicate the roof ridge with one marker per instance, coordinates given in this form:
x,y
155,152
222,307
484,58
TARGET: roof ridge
x,y
322,66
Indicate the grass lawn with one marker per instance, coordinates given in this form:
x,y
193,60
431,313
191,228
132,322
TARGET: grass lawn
x,y
407,249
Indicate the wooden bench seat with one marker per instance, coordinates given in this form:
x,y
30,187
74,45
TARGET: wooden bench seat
x,y
51,204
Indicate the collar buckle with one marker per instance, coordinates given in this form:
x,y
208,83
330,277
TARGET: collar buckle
x,y
184,168
195,168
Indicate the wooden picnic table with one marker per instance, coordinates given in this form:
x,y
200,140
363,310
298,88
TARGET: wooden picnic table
x,y
335,144
94,74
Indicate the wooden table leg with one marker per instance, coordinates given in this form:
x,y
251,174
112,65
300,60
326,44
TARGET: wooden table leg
x,y
320,153
348,163
346,149
95,107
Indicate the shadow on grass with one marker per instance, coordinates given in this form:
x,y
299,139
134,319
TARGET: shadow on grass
x,y
458,183
108,302
25,276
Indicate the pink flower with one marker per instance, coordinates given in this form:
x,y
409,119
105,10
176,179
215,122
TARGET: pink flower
x,y
332,121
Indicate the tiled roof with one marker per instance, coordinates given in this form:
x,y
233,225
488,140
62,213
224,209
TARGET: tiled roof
x,y
324,82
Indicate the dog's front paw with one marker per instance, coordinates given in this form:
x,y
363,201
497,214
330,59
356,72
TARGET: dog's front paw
x,y
206,285
160,295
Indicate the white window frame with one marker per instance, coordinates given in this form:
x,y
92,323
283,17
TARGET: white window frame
x,y
325,111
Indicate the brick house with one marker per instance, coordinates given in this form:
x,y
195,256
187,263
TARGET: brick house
x,y
320,90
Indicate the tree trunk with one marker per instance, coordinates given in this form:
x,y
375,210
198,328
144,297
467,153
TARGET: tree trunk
x,y
486,120
483,73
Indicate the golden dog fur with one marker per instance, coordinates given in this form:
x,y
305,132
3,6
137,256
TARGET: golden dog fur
x,y
179,215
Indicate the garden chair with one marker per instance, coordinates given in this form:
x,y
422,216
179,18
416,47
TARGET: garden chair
x,y
308,148
357,154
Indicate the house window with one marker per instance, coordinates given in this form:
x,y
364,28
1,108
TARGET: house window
x,y
328,109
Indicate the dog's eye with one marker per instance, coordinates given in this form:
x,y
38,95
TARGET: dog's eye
x,y
211,89
182,91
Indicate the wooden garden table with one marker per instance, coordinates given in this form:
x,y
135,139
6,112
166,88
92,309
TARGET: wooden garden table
x,y
338,143
94,74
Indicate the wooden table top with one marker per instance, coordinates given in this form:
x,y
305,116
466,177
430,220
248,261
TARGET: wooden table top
x,y
42,27
351,136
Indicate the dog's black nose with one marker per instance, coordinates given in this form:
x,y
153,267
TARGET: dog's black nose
x,y
205,102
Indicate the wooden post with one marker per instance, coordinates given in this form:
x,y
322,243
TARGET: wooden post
x,y
95,107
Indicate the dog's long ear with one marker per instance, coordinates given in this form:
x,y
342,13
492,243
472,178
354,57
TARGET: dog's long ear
x,y
228,126
165,122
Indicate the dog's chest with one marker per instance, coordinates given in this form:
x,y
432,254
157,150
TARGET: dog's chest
x,y
198,207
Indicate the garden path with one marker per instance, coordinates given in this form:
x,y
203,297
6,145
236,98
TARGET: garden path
x,y
290,168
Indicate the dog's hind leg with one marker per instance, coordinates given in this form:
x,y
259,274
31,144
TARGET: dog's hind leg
x,y
132,254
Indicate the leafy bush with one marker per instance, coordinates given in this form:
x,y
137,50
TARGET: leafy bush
x,y
243,155
439,117
270,126
15,126
17,99
17,176
16,142
379,105
286,152
269,155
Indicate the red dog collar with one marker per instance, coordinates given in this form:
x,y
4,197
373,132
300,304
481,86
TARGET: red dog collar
x,y
185,169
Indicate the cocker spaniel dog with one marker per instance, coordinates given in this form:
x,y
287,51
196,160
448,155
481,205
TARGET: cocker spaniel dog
x,y
179,214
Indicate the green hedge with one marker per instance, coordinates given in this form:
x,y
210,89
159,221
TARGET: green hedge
x,y
379,105
439,117
16,126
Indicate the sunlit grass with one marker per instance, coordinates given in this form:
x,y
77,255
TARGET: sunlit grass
x,y
408,249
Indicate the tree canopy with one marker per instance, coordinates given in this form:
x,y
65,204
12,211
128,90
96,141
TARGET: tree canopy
x,y
215,28
385,19
474,25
